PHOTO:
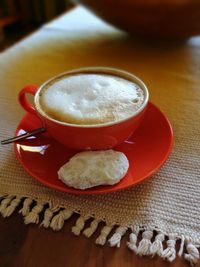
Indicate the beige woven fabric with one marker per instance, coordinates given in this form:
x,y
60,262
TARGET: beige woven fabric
x,y
169,202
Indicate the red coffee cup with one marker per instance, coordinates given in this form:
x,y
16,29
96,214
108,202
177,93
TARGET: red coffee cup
x,y
81,137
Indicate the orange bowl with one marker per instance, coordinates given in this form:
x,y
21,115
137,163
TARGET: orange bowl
x,y
168,19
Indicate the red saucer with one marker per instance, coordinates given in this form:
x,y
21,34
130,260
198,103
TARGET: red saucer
x,y
147,149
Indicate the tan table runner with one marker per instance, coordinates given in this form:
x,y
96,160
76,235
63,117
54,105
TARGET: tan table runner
x,y
169,202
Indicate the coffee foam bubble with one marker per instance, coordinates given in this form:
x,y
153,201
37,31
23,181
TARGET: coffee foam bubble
x,y
91,99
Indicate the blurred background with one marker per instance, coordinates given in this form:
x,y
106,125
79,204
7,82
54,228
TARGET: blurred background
x,y
152,19
20,17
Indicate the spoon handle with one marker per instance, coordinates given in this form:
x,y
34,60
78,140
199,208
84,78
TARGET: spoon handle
x,y
23,136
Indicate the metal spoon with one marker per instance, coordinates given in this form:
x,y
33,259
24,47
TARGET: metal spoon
x,y
23,136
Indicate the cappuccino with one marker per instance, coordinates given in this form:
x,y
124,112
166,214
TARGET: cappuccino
x,y
89,99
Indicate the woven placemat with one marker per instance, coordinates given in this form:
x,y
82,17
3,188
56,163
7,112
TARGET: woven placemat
x,y
168,204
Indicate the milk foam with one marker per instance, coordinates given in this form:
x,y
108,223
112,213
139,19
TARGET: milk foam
x,y
91,99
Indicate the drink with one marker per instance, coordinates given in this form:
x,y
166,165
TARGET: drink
x,y
89,108
90,98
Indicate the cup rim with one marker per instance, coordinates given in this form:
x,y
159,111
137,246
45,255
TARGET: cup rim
x,y
94,70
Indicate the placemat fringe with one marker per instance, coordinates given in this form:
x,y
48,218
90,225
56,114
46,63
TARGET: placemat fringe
x,y
26,206
33,215
48,215
9,206
80,223
102,238
169,253
145,243
115,240
156,247
146,247
5,203
54,217
58,220
192,254
132,243
92,228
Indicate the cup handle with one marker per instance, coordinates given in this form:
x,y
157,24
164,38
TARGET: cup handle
x,y
31,89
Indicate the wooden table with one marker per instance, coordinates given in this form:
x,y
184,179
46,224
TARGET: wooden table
x,y
32,246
